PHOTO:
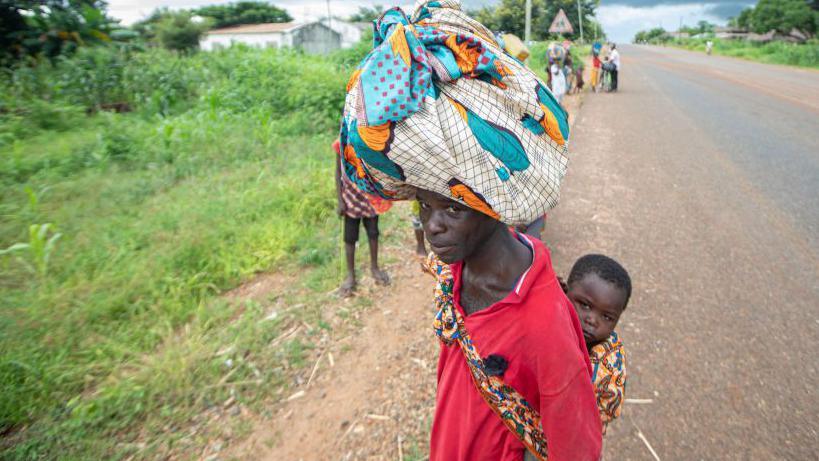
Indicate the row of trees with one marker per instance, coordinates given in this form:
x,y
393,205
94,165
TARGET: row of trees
x,y
510,16
367,14
51,28
655,35
780,15
659,35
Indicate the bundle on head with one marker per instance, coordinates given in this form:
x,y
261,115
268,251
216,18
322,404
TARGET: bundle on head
x,y
438,105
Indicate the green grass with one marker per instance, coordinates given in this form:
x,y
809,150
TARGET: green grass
x,y
802,55
110,336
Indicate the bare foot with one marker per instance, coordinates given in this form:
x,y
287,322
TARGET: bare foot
x,y
347,287
380,277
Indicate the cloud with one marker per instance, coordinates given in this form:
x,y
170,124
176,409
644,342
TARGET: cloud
x,y
654,3
621,22
729,10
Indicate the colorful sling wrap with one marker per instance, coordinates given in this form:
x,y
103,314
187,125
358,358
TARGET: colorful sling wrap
x,y
608,360
516,413
437,105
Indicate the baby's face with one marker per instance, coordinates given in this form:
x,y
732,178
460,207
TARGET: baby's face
x,y
598,304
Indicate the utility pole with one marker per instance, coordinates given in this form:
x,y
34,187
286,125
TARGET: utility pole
x,y
580,19
528,32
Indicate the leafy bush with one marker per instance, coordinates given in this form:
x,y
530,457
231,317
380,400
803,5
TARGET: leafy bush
x,y
284,82
244,12
221,170
177,31
775,52
48,95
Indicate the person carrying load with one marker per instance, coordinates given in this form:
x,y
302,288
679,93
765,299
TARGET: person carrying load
x,y
438,113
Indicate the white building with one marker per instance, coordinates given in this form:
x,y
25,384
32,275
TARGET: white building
x,y
312,37
351,32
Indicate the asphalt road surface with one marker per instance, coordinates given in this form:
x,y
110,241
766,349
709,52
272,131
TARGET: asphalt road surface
x,y
702,177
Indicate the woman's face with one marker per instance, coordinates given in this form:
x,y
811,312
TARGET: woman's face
x,y
453,230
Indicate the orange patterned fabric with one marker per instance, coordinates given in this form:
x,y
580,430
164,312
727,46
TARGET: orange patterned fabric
x,y
608,361
358,204
517,414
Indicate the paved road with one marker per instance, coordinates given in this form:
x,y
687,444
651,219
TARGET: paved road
x,y
702,176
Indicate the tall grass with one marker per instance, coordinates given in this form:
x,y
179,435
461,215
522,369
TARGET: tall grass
x,y
776,52
221,169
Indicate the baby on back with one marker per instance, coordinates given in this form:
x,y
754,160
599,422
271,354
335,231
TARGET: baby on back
x,y
599,288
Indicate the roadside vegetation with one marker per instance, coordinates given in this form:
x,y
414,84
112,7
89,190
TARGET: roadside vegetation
x,y
135,187
774,52
789,28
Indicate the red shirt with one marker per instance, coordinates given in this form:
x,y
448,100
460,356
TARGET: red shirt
x,y
595,61
537,331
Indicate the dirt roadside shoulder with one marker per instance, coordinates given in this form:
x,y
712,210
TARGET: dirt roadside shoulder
x,y
371,394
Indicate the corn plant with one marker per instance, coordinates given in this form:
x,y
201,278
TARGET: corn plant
x,y
40,246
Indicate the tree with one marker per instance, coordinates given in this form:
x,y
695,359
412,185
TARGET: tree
x,y
13,28
705,27
176,31
51,27
366,14
655,35
510,16
743,21
146,28
781,16
592,30
243,13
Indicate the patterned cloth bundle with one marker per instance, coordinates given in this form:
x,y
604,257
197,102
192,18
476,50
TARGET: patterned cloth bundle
x,y
437,105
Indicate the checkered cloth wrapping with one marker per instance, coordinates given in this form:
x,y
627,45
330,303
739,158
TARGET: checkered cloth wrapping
x,y
437,105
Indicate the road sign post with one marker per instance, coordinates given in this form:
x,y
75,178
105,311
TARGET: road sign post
x,y
580,19
527,36
561,24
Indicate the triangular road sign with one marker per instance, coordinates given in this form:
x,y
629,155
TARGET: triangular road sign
x,y
561,24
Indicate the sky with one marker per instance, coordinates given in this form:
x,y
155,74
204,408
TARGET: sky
x,y
621,19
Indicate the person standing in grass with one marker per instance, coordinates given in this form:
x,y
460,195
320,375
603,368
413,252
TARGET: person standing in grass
x,y
418,229
356,208
443,116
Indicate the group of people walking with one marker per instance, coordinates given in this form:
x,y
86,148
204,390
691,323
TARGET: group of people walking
x,y
530,367
605,66
566,75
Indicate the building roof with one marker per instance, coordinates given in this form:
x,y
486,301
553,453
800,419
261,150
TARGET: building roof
x,y
266,28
